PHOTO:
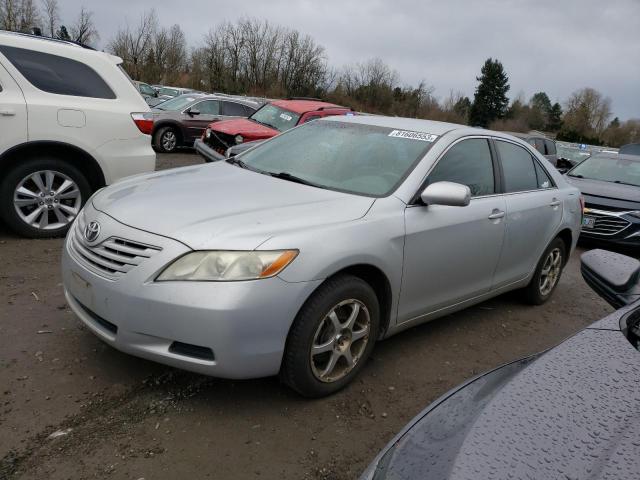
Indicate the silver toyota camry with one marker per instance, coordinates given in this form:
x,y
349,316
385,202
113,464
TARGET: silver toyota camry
x,y
295,257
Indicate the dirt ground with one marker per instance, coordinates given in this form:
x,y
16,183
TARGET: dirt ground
x,y
119,417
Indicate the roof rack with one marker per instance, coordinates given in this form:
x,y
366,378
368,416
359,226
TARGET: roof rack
x,y
305,98
49,39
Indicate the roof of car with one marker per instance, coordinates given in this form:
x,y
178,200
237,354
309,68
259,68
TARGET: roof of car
x,y
304,106
412,124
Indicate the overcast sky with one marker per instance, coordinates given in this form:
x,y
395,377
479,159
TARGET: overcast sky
x,y
556,46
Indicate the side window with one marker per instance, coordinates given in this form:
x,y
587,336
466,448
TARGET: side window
x,y
208,107
539,144
55,74
518,168
468,162
550,147
233,109
248,111
544,181
311,117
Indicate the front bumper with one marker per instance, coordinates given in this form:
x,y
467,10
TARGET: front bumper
x,y
206,152
243,324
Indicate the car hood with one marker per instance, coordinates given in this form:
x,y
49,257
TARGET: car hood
x,y
221,206
607,193
245,127
570,413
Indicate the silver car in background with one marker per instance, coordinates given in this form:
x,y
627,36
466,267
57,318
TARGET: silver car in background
x,y
295,257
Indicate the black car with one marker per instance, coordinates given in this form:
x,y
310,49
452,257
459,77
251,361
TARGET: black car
x,y
610,185
569,413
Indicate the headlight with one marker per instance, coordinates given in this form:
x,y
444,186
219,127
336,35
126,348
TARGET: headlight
x,y
221,266
239,139
207,133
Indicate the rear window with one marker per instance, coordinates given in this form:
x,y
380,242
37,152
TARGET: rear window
x,y
59,75
233,109
518,168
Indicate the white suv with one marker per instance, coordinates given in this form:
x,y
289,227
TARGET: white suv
x,y
71,122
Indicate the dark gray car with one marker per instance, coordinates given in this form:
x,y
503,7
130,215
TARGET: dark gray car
x,y
570,413
179,121
546,146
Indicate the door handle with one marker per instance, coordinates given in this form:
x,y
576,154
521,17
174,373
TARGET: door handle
x,y
7,113
495,215
555,203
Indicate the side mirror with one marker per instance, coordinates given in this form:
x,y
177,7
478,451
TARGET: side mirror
x,y
613,276
446,193
193,112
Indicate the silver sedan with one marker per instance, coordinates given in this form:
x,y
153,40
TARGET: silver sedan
x,y
295,257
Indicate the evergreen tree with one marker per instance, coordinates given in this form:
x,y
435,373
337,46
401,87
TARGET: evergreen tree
x,y
615,123
62,33
462,107
490,100
540,110
555,118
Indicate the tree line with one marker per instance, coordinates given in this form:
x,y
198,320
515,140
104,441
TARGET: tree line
x,y
256,57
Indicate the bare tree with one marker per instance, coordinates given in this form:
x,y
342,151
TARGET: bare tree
x,y
52,15
29,15
133,45
83,30
10,15
587,112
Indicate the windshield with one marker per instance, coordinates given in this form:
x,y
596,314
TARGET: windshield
x,y
354,158
170,92
576,156
276,117
146,89
609,169
177,103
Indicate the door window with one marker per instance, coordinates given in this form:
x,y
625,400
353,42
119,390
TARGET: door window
x,y
544,181
518,168
468,162
55,74
233,109
208,107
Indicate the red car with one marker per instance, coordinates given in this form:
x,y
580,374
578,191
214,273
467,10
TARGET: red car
x,y
270,120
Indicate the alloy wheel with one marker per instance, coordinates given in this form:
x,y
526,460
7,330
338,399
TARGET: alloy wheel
x,y
340,340
47,200
550,273
169,140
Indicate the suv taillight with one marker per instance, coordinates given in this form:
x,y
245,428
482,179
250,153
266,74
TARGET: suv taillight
x,y
144,122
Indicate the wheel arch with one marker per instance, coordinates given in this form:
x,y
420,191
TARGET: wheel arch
x,y
567,238
169,123
62,151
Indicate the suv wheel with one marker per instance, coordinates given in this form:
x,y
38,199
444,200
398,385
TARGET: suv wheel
x,y
332,337
547,275
165,140
41,197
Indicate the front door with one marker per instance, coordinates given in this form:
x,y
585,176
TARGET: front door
x,y
208,112
451,252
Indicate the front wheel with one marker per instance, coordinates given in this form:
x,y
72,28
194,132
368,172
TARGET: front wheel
x,y
41,197
332,337
547,275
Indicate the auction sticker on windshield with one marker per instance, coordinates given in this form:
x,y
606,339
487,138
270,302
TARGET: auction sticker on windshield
x,y
423,137
286,117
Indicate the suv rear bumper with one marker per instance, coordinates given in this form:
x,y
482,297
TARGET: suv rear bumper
x,y
206,152
122,158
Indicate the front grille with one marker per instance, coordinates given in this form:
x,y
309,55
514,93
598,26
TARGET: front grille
x,y
221,141
606,224
112,257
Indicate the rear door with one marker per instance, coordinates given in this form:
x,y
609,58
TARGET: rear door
x,y
533,212
208,111
13,112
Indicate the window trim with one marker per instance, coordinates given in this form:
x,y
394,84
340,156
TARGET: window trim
x,y
497,174
231,101
198,103
533,158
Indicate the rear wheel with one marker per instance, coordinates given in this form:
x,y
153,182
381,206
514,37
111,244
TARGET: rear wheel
x,y
165,140
332,337
41,197
547,275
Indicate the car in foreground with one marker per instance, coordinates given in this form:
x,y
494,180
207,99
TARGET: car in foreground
x,y
272,119
179,121
71,122
610,184
295,257
569,413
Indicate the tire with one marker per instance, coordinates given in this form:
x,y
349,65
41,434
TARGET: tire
x,y
166,140
554,257
315,325
33,215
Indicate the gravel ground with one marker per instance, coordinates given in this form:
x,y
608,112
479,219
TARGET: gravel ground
x,y
119,417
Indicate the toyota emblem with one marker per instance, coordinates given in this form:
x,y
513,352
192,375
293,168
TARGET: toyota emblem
x,y
91,231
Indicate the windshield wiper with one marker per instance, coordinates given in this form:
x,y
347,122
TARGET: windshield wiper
x,y
576,176
263,123
238,162
293,178
625,183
